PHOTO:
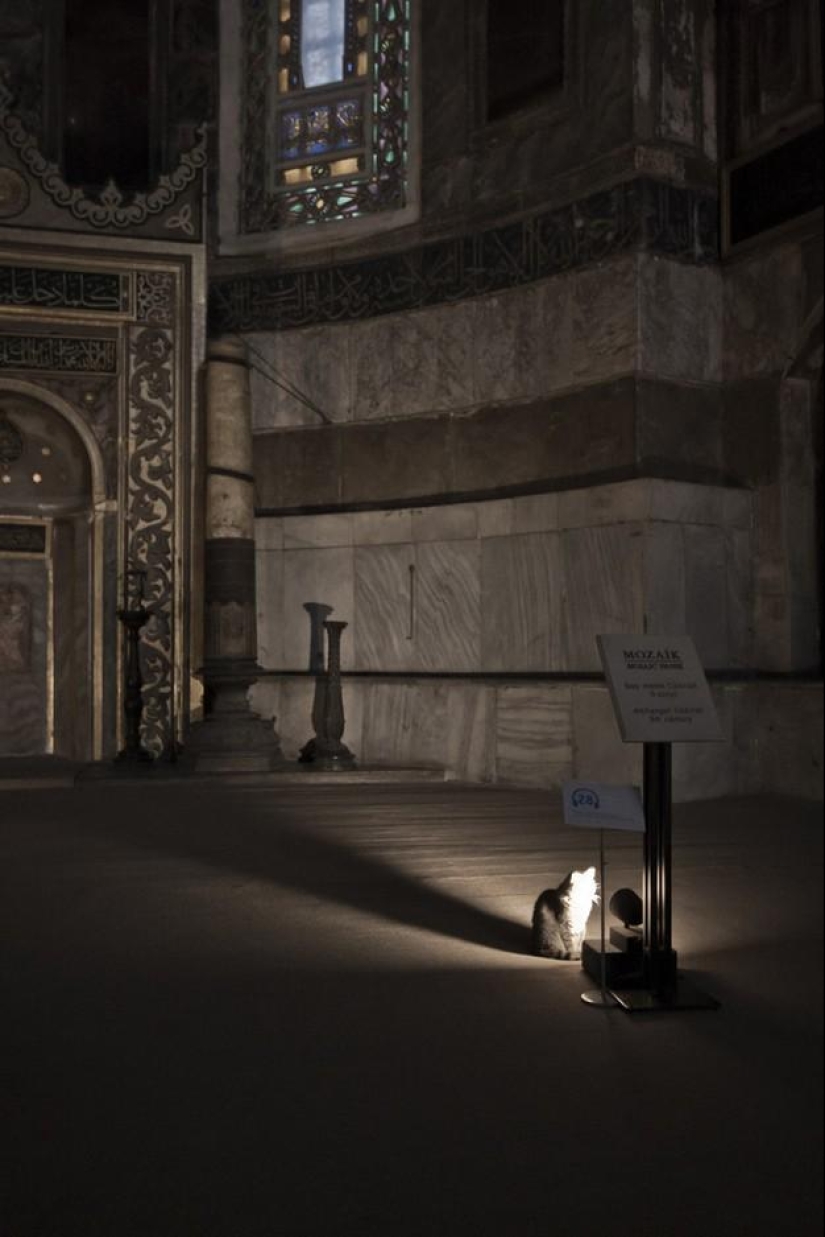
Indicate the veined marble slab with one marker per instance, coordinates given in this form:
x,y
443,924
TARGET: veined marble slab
x,y
385,626
604,574
447,605
524,616
269,592
405,723
534,729
706,593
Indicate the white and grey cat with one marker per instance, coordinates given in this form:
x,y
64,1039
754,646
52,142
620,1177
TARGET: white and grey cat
x,y
560,916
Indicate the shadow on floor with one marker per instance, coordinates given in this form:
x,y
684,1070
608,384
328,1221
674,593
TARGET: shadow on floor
x,y
239,834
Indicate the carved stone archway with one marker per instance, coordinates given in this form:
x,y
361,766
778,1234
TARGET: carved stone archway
x,y
52,529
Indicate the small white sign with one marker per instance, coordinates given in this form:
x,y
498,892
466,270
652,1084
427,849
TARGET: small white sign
x,y
659,690
592,805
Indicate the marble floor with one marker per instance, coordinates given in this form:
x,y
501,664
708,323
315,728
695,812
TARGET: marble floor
x,y
310,1012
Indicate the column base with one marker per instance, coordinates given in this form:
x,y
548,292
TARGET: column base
x,y
232,738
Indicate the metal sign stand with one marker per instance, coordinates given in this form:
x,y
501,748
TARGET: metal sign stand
x,y
601,996
662,988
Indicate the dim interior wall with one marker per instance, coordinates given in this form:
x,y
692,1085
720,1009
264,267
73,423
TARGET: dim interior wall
x,y
535,733
772,363
514,585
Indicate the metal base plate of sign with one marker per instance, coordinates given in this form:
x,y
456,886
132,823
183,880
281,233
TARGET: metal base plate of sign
x,y
683,995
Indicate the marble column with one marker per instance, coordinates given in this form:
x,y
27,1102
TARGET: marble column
x,y
231,737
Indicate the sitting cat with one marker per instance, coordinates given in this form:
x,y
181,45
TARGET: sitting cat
x,y
560,916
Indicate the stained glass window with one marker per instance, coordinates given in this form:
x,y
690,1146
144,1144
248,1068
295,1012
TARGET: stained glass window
x,y
322,52
326,115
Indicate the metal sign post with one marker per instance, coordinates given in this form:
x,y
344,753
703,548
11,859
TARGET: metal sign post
x,y
660,696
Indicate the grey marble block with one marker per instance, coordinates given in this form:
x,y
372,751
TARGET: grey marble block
x,y
424,367
405,723
740,596
317,531
536,513
384,628
524,616
534,735
604,574
664,579
457,522
382,527
706,593
604,322
680,320
709,770
514,338
604,504
269,533
314,361
447,610
471,738
599,752
269,592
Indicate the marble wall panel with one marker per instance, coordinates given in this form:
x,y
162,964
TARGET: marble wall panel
x,y
534,735
269,533
523,342
785,721
604,572
315,362
598,750
536,513
325,576
405,723
312,532
706,594
680,320
682,503
458,522
509,346
496,518
384,628
603,316
664,568
269,592
471,739
740,597
709,770
421,363
604,504
523,608
382,527
447,612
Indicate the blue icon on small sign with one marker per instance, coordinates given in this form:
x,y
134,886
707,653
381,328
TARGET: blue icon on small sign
x,y
586,798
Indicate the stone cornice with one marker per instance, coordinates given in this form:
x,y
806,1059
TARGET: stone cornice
x,y
642,213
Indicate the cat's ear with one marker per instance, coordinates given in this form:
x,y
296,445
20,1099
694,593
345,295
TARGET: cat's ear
x,y
590,874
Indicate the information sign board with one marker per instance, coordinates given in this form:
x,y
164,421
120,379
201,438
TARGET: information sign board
x,y
659,690
593,805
